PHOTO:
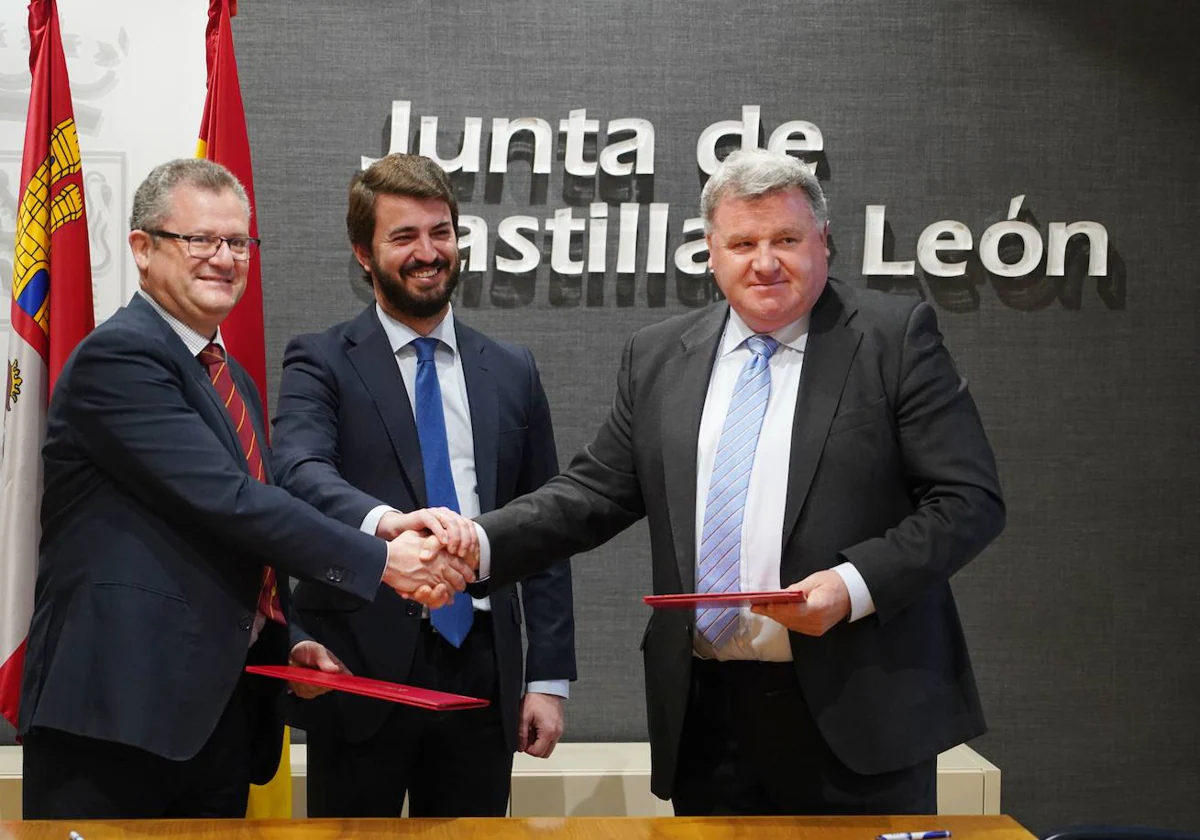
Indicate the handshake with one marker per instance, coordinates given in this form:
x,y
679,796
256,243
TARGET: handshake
x,y
431,554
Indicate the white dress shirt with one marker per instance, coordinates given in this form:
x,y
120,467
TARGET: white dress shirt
x,y
191,339
756,636
459,432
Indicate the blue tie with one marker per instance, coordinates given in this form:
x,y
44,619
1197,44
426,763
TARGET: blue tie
x,y
453,621
725,507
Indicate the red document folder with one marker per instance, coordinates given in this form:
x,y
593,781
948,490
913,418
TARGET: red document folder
x,y
408,695
692,600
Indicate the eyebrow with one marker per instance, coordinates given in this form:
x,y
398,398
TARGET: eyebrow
x,y
783,231
445,223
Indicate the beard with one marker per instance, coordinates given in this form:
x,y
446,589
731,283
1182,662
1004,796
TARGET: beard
x,y
424,303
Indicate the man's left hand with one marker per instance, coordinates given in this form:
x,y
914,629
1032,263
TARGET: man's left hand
x,y
541,724
310,654
826,602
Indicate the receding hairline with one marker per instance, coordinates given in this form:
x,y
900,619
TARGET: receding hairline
x,y
755,173
155,197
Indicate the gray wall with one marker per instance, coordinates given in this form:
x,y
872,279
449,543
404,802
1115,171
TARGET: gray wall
x,y
1079,617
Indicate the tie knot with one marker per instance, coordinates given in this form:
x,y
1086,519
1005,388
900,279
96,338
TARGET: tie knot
x,y
425,348
762,345
212,354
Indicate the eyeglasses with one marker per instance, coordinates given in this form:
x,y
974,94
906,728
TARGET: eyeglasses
x,y
204,246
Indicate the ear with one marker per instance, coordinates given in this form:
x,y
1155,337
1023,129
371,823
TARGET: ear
x,y
825,239
141,244
363,255
708,240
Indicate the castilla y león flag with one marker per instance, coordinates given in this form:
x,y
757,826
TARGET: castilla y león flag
x,y
51,311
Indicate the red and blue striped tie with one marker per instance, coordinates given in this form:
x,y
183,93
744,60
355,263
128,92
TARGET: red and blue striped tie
x,y
213,359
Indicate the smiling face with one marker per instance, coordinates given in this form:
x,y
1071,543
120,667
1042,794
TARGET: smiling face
x,y
768,255
199,292
413,259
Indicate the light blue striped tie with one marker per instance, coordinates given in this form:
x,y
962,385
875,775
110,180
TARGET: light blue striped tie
x,y
721,539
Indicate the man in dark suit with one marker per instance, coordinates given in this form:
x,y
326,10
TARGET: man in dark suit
x,y
801,435
402,407
161,538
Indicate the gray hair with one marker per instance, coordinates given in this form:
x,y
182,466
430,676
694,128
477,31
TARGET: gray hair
x,y
751,173
152,201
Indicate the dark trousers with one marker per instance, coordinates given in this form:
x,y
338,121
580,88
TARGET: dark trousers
x,y
449,764
751,747
72,777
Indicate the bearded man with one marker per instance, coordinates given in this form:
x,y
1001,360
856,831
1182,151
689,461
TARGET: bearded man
x,y
405,407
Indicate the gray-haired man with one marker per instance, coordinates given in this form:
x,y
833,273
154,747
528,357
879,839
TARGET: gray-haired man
x,y
807,435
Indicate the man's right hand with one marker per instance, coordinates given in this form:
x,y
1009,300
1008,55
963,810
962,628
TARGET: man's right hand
x,y
420,569
455,532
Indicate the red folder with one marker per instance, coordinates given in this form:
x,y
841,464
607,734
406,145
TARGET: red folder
x,y
408,695
692,600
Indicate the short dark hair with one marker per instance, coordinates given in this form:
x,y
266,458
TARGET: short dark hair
x,y
397,174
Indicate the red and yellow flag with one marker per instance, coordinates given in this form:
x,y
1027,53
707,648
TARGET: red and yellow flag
x,y
51,311
223,139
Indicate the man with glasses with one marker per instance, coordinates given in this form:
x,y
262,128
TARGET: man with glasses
x,y
163,536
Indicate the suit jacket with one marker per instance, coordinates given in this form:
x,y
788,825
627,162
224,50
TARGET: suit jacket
x,y
346,441
154,537
889,469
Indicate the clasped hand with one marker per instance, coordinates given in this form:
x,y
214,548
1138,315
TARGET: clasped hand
x,y
432,554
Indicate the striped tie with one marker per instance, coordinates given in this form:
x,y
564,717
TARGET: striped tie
x,y
213,359
721,539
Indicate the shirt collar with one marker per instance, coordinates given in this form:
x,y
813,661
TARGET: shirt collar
x,y
401,335
192,340
794,335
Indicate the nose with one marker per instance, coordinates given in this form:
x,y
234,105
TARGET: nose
x,y
424,250
224,254
765,261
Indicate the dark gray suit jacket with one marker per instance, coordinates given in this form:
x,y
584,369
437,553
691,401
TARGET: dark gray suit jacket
x,y
346,441
890,469
154,537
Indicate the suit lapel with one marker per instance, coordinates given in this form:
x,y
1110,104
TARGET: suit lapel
x,y
484,407
687,375
827,356
371,355
141,311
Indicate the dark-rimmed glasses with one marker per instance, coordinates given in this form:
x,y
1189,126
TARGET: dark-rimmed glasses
x,y
204,246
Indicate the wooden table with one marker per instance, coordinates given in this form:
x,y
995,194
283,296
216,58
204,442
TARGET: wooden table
x,y
542,828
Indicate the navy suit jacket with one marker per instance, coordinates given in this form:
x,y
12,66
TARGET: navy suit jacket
x,y
154,538
346,441
889,469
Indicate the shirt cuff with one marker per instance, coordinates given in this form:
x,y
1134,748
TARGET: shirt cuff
x,y
861,602
559,688
370,522
485,554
